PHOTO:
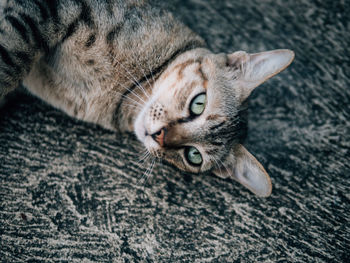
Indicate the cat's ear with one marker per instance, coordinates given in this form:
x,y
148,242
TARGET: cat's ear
x,y
259,67
244,168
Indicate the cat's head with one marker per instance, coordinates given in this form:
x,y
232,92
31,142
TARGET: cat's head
x,y
193,118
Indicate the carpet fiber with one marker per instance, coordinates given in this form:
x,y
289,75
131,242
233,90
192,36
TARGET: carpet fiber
x,y
73,192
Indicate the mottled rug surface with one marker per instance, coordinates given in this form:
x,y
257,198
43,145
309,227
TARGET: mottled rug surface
x,y
74,192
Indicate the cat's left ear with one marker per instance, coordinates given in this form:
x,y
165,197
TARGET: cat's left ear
x,y
259,67
244,168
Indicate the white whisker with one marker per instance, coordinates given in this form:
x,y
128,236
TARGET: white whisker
x,y
150,170
132,79
131,91
131,105
216,162
144,74
144,157
145,176
223,165
129,98
150,70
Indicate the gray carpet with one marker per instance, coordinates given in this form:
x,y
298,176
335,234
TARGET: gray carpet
x,y
73,192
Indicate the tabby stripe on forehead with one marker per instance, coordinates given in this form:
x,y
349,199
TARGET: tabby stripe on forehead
x,y
215,127
203,76
189,46
217,143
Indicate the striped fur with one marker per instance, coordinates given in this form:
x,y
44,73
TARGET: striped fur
x,y
119,63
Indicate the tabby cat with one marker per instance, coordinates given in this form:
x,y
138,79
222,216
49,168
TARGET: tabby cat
x,y
129,66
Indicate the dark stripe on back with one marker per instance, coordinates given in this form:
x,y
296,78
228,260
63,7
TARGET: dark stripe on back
x,y
113,34
86,17
91,40
22,3
25,59
86,14
7,10
109,8
43,10
52,5
20,28
5,84
71,30
6,58
13,74
36,34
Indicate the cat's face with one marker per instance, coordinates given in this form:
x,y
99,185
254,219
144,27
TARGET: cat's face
x,y
193,116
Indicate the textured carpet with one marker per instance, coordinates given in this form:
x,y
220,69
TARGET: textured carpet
x,y
73,192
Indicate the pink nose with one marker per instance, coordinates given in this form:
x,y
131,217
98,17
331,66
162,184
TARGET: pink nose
x,y
159,136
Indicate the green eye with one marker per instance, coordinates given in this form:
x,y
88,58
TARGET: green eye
x,y
193,156
198,104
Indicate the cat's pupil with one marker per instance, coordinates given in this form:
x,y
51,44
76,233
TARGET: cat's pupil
x,y
198,104
193,156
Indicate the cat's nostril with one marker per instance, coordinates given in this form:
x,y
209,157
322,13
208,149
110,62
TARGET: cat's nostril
x,y
159,136
158,133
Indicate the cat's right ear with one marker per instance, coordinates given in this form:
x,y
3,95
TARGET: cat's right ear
x,y
242,166
255,69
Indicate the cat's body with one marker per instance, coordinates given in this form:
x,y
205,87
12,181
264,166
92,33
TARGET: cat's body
x,y
130,67
100,54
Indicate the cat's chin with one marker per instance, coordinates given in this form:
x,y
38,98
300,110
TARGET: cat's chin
x,y
139,126
139,129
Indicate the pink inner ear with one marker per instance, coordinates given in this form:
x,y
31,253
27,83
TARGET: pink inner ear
x,y
250,173
265,65
244,168
260,67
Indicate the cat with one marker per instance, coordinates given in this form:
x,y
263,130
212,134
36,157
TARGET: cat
x,y
130,66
